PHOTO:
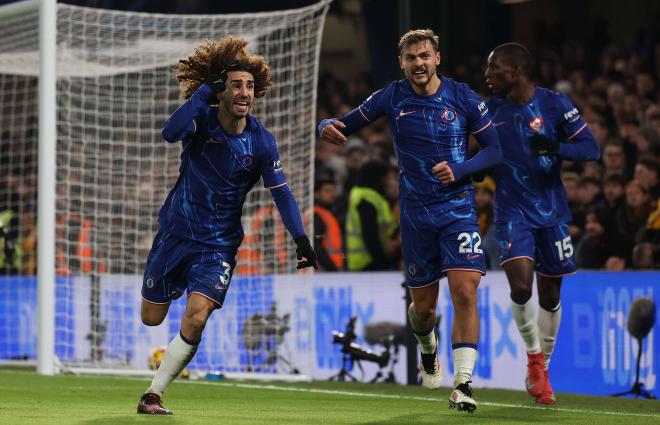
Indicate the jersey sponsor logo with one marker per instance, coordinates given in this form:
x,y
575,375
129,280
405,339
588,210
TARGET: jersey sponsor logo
x,y
403,114
572,116
536,124
448,116
247,160
277,166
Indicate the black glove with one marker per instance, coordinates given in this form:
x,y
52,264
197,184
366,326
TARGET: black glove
x,y
304,250
542,146
216,82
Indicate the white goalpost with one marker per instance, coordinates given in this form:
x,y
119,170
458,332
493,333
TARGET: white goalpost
x,y
85,93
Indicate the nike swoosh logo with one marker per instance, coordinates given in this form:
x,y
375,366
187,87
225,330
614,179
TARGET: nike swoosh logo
x,y
496,123
403,114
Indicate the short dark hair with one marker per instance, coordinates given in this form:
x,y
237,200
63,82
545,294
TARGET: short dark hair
x,y
516,55
416,36
372,174
616,178
586,180
322,181
650,163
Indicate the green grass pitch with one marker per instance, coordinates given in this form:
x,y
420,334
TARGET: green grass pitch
x,y
26,398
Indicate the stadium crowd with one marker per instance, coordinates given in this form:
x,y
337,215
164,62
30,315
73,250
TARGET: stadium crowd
x,y
614,202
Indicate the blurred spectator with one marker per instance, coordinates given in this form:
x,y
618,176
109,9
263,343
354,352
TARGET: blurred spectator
x,y
483,199
570,181
328,234
327,162
356,156
371,242
593,169
646,173
614,158
646,254
10,244
589,191
613,193
601,242
632,218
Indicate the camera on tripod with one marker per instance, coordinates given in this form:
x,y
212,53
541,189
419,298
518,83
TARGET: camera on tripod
x,y
354,351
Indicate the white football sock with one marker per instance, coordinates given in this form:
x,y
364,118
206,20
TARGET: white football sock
x,y
548,328
177,356
427,343
464,359
524,316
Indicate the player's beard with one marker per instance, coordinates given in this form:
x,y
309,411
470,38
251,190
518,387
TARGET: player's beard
x,y
417,79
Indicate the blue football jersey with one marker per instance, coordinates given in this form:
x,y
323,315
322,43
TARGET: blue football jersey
x,y
528,187
217,171
428,130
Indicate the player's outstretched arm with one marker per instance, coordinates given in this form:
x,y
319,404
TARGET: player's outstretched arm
x,y
182,123
335,130
288,208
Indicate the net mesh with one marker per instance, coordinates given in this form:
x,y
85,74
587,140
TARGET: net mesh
x,y
115,89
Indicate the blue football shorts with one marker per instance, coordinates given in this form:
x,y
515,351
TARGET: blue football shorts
x,y
550,248
176,265
435,242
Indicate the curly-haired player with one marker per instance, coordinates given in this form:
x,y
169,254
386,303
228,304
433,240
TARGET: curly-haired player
x,y
225,152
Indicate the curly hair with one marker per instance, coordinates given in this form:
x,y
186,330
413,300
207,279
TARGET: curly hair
x,y
212,57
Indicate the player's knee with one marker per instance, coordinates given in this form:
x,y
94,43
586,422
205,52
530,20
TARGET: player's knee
x,y
520,294
153,314
465,295
549,301
421,310
196,320
151,320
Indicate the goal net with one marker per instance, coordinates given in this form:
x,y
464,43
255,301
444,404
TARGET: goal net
x,y
115,89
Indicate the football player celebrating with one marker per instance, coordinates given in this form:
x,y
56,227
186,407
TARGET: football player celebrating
x,y
538,129
225,152
430,117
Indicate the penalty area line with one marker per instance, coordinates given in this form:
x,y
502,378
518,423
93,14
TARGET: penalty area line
x,y
404,397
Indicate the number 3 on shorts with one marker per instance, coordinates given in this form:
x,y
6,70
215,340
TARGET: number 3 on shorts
x,y
224,279
470,244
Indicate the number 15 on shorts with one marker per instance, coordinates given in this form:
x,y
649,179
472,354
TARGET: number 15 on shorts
x,y
564,248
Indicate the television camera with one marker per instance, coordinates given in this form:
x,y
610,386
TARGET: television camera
x,y
355,353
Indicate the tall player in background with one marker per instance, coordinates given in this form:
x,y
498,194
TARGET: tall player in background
x,y
225,152
538,129
430,118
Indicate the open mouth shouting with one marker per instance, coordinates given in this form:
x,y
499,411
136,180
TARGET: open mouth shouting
x,y
419,73
241,106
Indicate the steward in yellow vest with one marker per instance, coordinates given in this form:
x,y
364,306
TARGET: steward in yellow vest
x,y
370,225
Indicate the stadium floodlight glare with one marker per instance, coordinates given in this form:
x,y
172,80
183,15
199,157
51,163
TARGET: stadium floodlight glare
x,y
98,103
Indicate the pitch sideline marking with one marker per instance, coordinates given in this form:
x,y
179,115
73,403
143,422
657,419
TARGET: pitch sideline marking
x,y
400,397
